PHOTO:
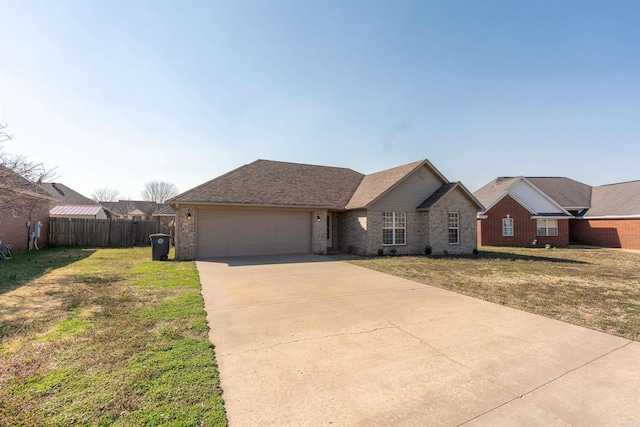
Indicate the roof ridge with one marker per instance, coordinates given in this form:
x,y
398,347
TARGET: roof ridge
x,y
618,183
302,164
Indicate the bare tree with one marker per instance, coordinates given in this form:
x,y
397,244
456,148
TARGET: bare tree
x,y
104,194
20,178
32,171
159,192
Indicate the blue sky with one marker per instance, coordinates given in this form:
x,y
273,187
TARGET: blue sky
x,y
119,93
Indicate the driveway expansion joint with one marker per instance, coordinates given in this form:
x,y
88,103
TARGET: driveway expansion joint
x,y
522,396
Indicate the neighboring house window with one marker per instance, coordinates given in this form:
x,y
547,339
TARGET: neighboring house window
x,y
454,228
394,228
547,227
507,227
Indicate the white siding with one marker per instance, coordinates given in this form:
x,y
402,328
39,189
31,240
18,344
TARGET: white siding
x,y
533,199
410,193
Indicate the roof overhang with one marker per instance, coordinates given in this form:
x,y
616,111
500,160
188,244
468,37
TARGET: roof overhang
x,y
465,191
551,216
563,214
423,163
176,205
611,217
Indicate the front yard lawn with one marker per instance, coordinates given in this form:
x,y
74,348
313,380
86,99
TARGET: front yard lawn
x,y
595,288
104,337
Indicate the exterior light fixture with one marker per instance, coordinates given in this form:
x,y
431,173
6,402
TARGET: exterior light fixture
x,y
189,216
318,218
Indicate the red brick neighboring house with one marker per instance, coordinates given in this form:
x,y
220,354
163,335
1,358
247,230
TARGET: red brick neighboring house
x,y
518,213
24,208
613,219
607,216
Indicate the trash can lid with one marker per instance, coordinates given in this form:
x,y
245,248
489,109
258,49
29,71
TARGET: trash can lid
x,y
160,235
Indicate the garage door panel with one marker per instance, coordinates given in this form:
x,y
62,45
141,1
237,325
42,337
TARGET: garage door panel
x,y
252,232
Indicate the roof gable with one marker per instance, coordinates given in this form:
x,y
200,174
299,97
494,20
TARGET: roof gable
x,y
266,182
494,191
568,193
446,189
521,190
377,185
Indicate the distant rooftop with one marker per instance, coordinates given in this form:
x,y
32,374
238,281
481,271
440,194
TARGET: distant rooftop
x,y
75,210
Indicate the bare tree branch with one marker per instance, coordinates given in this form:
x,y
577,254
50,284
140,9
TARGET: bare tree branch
x,y
159,192
19,178
105,194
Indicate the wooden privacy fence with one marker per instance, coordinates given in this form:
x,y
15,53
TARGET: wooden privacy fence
x,y
101,233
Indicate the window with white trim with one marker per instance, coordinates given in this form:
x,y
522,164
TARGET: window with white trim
x,y
394,228
454,228
507,227
547,227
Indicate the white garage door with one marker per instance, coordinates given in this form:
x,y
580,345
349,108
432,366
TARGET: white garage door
x,y
225,232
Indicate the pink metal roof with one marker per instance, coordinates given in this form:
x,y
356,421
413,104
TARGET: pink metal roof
x,y
75,210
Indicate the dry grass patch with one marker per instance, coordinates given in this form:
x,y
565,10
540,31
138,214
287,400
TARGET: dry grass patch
x,y
104,337
595,288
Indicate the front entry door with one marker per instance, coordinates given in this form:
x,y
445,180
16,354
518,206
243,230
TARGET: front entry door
x,y
329,231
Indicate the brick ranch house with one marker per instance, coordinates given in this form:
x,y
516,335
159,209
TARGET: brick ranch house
x,y
558,211
24,209
269,207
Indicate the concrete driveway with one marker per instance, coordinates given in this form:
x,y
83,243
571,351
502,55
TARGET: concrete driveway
x,y
305,340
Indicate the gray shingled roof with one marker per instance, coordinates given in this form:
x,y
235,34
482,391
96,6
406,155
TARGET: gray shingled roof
x,y
566,192
166,210
437,195
66,196
491,192
16,183
376,184
289,184
622,199
446,189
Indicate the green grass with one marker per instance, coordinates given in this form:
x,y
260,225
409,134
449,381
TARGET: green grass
x,y
595,288
104,337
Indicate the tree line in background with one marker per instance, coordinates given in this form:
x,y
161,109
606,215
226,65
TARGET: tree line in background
x,y
19,173
154,191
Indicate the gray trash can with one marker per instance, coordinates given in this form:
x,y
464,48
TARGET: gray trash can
x,y
160,246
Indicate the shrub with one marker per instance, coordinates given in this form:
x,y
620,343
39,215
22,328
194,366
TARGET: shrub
x,y
427,250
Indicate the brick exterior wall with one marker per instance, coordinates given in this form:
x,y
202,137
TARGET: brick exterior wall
x,y
524,228
319,229
352,231
185,233
360,232
14,230
609,233
438,229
